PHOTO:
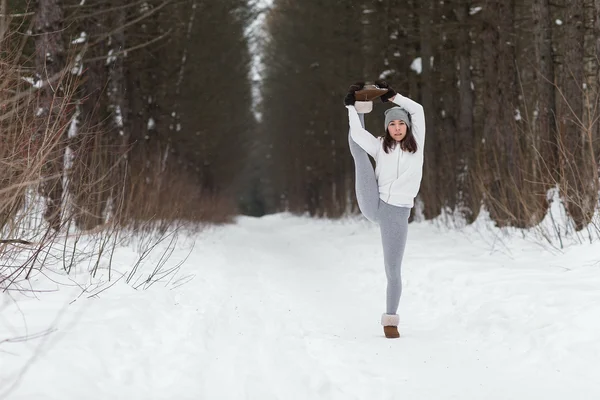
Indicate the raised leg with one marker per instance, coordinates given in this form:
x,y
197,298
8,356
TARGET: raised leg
x,y
367,190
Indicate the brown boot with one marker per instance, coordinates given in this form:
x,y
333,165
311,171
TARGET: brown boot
x,y
369,93
390,325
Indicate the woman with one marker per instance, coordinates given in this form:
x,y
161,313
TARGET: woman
x,y
386,195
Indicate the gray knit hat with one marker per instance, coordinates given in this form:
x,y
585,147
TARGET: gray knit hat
x,y
394,113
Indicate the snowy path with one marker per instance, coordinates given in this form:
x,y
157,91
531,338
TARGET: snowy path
x,y
288,308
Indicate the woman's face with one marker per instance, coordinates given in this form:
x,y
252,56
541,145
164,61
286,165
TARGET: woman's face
x,y
397,129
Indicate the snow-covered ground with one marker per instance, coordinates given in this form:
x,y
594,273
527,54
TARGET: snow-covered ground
x,y
285,307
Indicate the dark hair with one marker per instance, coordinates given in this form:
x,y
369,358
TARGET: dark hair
x,y
409,143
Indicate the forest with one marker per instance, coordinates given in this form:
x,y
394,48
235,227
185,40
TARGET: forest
x,y
145,112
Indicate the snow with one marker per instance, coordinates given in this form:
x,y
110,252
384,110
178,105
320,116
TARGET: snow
x,y
416,65
258,35
74,124
286,307
77,68
111,58
475,10
387,73
118,116
35,82
81,39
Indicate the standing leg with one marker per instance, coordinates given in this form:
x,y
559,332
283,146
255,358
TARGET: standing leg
x,y
367,190
394,230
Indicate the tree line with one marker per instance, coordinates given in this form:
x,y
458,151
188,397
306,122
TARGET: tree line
x,y
125,111
510,91
145,110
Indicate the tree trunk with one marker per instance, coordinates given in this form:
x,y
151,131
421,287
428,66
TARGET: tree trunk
x,y
429,192
544,122
466,203
596,131
575,176
4,19
50,66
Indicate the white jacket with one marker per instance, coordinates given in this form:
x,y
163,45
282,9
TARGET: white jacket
x,y
398,172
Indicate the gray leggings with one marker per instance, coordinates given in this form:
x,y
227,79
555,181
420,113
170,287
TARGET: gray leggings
x,y
392,220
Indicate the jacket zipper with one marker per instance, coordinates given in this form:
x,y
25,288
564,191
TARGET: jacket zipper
x,y
397,176
398,166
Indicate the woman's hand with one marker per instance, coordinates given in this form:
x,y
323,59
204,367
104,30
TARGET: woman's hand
x,y
350,99
389,95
